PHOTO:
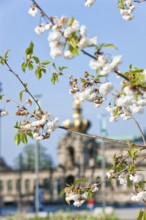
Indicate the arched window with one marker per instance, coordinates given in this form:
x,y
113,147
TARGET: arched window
x,y
70,179
71,155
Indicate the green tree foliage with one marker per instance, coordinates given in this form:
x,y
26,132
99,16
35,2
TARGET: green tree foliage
x,y
26,159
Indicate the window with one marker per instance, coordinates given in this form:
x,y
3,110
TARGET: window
x,y
46,183
98,180
1,185
27,185
18,185
71,155
9,185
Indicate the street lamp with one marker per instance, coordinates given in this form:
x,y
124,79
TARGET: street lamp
x,y
37,171
0,120
0,147
103,132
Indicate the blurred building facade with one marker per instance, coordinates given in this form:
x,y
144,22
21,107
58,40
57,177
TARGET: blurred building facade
x,y
78,156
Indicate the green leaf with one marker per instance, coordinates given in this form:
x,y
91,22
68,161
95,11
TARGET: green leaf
x,y
54,78
73,42
17,125
62,192
23,138
63,68
21,95
46,62
6,54
29,133
23,66
36,59
30,66
54,65
68,202
116,111
17,139
140,214
71,20
81,180
121,4
112,46
130,66
29,50
38,73
1,97
25,85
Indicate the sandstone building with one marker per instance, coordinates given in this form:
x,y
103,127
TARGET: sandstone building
x,y
78,156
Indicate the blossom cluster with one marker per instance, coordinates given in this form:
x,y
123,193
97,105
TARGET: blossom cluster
x,y
77,196
105,65
137,178
45,122
131,100
97,95
139,196
66,36
127,11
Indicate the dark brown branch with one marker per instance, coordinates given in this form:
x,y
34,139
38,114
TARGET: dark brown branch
x,y
42,11
23,84
100,137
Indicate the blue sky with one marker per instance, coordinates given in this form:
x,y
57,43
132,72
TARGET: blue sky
x,y
102,20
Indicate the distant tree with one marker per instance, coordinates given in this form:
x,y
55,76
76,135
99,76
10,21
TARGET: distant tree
x,y
26,159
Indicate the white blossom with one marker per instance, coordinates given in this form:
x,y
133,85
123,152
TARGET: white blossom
x,y
48,26
52,125
139,196
122,179
136,178
54,35
83,30
105,88
39,138
72,196
33,11
55,52
36,135
27,126
4,113
28,102
78,203
94,187
99,63
68,54
89,3
39,29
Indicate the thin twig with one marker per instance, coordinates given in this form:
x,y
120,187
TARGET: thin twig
x,y
42,11
23,84
136,122
20,106
100,137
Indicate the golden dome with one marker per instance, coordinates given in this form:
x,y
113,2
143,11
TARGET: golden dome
x,y
77,123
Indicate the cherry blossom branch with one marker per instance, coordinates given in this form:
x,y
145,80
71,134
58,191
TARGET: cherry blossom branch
x,y
139,1
42,11
100,137
23,84
138,125
20,106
